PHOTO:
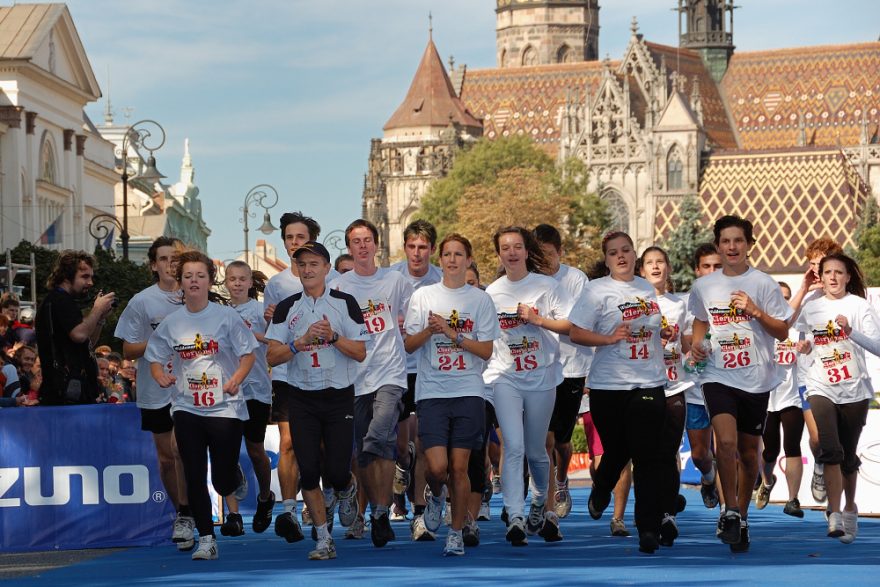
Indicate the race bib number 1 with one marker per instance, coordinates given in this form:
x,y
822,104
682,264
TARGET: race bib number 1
x,y
204,388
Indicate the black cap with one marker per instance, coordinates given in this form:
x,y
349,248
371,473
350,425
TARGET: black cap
x,y
313,247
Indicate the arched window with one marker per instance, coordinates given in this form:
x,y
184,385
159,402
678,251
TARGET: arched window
x,y
674,169
618,211
564,54
529,56
47,170
502,61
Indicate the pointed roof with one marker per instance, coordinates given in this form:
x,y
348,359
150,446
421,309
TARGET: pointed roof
x,y
431,99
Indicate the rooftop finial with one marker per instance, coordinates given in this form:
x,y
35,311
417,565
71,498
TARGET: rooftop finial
x,y
634,26
430,26
108,111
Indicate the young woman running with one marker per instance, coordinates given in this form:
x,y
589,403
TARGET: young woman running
x,y
523,372
211,352
839,326
654,267
620,316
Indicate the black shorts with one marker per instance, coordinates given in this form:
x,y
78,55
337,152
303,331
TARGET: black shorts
x,y
157,421
409,398
454,422
748,409
280,392
565,410
258,417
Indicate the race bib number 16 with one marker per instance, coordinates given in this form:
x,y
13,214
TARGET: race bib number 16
x,y
204,388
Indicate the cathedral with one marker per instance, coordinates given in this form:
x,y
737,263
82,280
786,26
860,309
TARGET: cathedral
x,y
787,137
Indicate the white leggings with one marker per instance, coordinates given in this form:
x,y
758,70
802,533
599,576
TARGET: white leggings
x,y
524,417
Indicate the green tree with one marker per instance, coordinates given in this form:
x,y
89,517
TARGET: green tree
x,y
867,239
684,240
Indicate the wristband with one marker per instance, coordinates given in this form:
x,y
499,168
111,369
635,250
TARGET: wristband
x,y
292,346
459,338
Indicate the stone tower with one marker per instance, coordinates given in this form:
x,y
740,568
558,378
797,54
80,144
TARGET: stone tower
x,y
541,32
708,28
417,147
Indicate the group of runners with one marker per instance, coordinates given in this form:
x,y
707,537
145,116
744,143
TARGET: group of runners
x,y
388,383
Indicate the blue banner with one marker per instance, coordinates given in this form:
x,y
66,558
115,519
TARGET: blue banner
x,y
79,477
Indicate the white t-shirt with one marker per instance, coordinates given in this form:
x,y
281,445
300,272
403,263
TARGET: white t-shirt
x,y
143,314
575,358
382,297
742,351
278,288
674,315
205,349
837,368
786,394
257,384
636,361
321,365
694,393
432,276
526,355
446,369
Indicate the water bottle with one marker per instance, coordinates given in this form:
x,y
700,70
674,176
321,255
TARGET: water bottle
x,y
697,367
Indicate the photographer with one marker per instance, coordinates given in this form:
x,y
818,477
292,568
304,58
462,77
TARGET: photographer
x,y
64,336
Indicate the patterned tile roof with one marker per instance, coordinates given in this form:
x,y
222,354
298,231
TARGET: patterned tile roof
x,y
527,100
830,86
793,196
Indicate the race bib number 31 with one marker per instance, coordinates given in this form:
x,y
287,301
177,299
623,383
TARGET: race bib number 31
x,y
204,388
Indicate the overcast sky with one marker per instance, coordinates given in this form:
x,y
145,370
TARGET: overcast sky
x,y
289,92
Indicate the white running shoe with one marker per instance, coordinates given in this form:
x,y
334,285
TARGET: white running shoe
x,y
357,528
563,499
325,549
183,535
242,490
419,532
535,520
207,550
835,525
817,484
454,544
348,505
485,513
850,527
434,509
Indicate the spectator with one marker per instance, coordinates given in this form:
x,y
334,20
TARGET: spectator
x,y
128,380
103,350
70,375
24,358
18,330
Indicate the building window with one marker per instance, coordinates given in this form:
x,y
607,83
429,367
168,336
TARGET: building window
x,y
47,171
502,61
618,211
529,56
564,55
674,169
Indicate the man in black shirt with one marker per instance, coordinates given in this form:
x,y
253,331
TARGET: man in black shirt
x,y
64,337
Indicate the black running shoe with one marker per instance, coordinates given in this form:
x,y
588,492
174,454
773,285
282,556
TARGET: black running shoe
x,y
680,503
709,493
729,527
380,530
597,502
233,525
743,544
668,530
648,542
287,526
263,515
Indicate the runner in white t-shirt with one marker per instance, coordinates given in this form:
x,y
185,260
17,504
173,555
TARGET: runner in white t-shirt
x,y
210,351
839,326
744,311
141,316
654,267
523,372
450,329
620,316
382,295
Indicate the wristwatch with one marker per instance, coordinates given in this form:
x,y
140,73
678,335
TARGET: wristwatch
x,y
459,338
335,338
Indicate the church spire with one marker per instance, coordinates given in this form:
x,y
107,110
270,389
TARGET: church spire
x,y
187,171
708,29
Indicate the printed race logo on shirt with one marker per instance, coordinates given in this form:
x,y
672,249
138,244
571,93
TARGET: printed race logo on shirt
x,y
198,348
785,353
446,355
638,312
377,317
508,319
638,309
726,313
836,357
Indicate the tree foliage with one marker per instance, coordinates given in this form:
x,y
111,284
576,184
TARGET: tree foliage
x,y
867,239
684,240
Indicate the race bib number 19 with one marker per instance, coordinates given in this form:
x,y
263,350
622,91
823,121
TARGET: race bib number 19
x,y
377,317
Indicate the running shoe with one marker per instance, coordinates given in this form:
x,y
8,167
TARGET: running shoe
x,y
306,516
330,503
470,533
668,530
744,542
835,525
793,508
496,483
485,513
709,493
550,531
729,527
356,529
454,544
348,505
434,508
287,526
563,499
680,503
597,502
516,532
232,525
648,542
817,485
618,528
380,530
314,533
263,515
419,532
183,535
402,475
535,519
398,511
762,498
207,550
242,490
505,519
325,549
850,527
447,514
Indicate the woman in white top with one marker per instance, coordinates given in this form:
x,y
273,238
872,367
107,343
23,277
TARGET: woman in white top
x,y
523,373
839,326
211,352
619,315
654,267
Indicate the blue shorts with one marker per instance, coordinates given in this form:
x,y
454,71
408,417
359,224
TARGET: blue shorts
x,y
697,417
805,403
453,422
375,423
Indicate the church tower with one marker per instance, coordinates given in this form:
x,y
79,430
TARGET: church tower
x,y
708,28
541,32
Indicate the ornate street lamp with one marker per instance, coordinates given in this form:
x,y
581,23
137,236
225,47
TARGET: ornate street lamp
x,y
265,196
101,225
150,135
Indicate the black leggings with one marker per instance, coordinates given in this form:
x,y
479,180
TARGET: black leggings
x,y
792,420
840,426
328,416
477,460
673,430
196,437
